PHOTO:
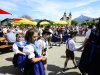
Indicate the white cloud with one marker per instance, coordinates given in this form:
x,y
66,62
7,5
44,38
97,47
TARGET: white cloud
x,y
46,9
84,2
87,12
54,10
8,5
49,9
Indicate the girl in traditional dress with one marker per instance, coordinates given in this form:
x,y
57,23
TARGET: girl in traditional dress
x,y
19,56
90,58
34,65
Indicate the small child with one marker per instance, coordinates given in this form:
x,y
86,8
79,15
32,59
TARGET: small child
x,y
43,42
70,48
34,65
19,56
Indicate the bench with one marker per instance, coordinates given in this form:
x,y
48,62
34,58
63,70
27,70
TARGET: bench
x,y
5,48
2,39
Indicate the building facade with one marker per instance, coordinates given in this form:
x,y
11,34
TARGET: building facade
x,y
67,18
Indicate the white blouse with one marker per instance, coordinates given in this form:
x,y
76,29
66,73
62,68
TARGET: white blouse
x,y
71,45
42,45
29,50
88,34
15,47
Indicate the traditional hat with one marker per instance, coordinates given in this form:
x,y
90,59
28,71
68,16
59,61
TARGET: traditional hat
x,y
46,31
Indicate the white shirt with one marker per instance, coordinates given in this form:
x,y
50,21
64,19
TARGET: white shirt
x,y
5,30
71,45
19,31
29,50
42,45
88,34
40,31
51,31
15,47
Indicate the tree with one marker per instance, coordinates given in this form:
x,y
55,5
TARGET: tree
x,y
74,22
38,24
87,23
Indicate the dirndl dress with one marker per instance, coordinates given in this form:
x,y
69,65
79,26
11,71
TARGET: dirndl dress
x,y
36,68
19,59
90,59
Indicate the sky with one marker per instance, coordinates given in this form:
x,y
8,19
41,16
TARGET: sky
x,y
50,9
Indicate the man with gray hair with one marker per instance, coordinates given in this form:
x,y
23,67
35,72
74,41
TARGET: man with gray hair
x,y
10,37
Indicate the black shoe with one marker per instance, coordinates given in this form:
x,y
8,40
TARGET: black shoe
x,y
75,66
83,74
64,70
50,47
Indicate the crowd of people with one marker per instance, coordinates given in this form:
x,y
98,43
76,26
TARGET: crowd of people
x,y
30,45
59,33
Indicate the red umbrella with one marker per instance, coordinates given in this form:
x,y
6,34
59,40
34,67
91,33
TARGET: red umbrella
x,y
4,12
17,19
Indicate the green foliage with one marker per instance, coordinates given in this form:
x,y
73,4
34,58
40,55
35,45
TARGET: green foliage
x,y
73,22
51,22
87,23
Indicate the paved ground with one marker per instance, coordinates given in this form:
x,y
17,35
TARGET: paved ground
x,y
56,58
